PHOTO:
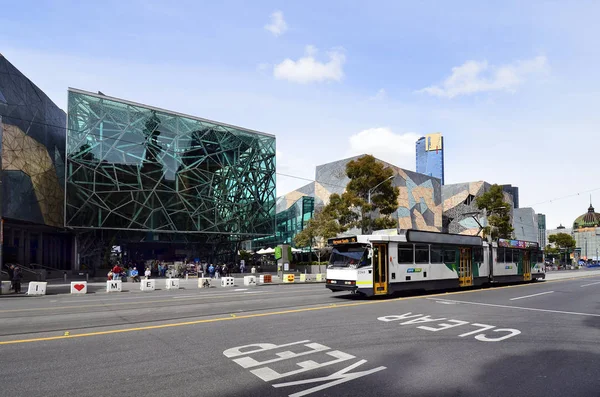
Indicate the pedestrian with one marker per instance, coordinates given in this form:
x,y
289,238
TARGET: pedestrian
x,y
11,273
17,280
147,273
211,270
135,276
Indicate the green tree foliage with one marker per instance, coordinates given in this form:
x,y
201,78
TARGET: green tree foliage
x,y
498,213
562,240
322,225
367,174
245,255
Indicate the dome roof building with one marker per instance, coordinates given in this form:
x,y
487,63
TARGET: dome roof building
x,y
589,219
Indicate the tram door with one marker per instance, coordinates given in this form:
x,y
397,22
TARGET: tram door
x,y
380,269
465,270
526,266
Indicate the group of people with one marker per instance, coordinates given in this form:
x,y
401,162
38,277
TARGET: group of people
x,y
119,273
15,275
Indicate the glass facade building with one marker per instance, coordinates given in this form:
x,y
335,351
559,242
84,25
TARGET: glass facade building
x,y
430,156
135,168
289,223
32,132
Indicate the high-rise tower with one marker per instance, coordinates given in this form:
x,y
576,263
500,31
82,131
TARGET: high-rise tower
x,y
430,155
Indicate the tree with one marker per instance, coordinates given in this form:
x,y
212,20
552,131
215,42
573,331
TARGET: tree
x,y
562,242
368,175
498,213
321,226
245,256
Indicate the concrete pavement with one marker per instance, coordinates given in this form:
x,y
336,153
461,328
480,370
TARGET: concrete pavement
x,y
536,339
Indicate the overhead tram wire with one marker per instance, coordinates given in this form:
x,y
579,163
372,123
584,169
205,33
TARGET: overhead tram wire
x,y
292,176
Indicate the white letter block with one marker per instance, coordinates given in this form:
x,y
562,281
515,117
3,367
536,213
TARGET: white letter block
x,y
172,283
4,287
227,282
202,280
319,277
79,287
148,285
302,278
249,280
37,288
114,286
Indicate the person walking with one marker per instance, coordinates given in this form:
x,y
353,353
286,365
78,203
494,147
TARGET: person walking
x,y
11,273
16,278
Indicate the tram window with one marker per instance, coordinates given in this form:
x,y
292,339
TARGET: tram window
x,y
516,254
500,255
478,254
436,253
507,256
421,253
449,255
405,253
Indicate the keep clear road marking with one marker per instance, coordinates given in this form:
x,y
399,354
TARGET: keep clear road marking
x,y
521,308
585,285
530,296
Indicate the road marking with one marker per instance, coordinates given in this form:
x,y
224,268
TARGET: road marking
x,y
585,285
241,289
530,296
522,308
255,315
445,303
253,292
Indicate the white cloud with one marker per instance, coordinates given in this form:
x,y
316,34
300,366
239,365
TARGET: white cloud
x,y
278,26
396,149
473,76
381,95
308,70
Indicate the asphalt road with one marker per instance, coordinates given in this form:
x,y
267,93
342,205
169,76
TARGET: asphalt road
x,y
538,339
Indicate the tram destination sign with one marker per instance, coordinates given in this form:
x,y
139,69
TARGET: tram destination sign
x,y
517,244
342,240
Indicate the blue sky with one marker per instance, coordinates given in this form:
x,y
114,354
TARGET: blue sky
x,y
512,86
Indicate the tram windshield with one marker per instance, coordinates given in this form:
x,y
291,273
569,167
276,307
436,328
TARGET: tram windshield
x,y
351,256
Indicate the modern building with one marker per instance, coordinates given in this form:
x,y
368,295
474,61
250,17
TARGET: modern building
x,y
586,231
32,130
161,184
525,224
419,203
514,192
542,240
461,214
430,156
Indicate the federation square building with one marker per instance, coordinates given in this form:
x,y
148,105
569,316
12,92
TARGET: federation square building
x,y
163,185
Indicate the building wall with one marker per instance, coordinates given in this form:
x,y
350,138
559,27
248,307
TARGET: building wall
x,y
33,150
32,131
525,223
460,206
419,202
588,240
514,192
134,167
430,156
542,239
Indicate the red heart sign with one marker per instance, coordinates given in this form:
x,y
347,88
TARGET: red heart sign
x,y
79,287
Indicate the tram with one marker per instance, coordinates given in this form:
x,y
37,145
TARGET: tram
x,y
400,260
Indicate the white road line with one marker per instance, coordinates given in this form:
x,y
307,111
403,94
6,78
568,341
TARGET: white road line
x,y
521,308
241,289
254,292
529,296
585,285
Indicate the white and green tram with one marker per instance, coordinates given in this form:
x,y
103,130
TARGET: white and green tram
x,y
381,264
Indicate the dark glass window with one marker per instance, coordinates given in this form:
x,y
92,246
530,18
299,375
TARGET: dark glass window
x,y
437,254
449,255
507,255
516,254
499,255
478,254
405,253
421,253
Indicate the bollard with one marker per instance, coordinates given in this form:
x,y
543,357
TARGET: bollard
x,y
186,276
78,287
37,288
87,277
65,276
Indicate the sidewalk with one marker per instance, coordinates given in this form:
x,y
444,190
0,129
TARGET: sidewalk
x,y
562,274
59,287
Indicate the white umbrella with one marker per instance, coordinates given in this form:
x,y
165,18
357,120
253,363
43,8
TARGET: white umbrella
x,y
269,251
296,250
261,252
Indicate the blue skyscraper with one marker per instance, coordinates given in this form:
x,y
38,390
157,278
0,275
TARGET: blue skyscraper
x,y
430,155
